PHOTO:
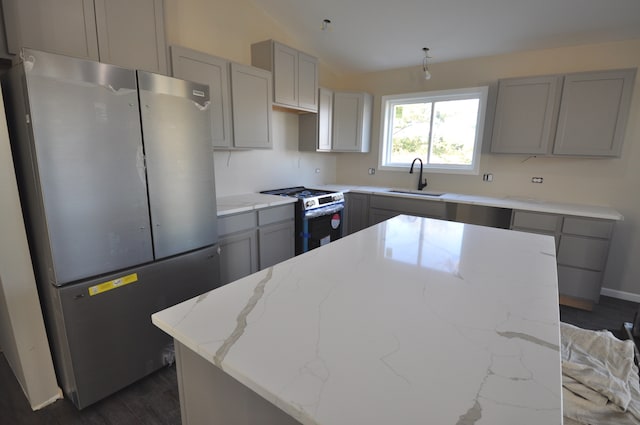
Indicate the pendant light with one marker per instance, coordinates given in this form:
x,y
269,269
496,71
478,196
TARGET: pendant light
x,y
425,66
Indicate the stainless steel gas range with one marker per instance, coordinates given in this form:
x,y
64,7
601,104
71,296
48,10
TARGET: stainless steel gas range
x,y
319,216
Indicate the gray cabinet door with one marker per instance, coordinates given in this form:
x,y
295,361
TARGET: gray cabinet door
x,y
307,82
206,69
357,210
594,112
238,255
285,75
177,138
351,124
419,207
66,27
526,113
276,242
378,216
314,130
88,148
347,113
325,119
251,91
131,34
582,249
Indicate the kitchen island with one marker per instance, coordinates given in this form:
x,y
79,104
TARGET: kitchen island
x,y
410,321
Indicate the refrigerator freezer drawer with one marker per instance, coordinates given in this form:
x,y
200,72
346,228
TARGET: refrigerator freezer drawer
x,y
110,336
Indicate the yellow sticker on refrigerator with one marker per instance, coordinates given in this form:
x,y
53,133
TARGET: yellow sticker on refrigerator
x,y
113,284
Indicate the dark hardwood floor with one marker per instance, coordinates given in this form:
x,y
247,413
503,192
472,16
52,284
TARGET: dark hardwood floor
x,y
154,400
151,401
609,313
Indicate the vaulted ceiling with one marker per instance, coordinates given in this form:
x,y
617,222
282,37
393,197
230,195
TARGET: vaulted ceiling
x,y
374,35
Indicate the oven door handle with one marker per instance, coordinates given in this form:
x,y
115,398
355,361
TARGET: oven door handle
x,y
329,209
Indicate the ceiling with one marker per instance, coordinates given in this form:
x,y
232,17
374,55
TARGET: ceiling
x,y
375,35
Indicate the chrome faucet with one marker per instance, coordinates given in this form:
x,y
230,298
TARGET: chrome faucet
x,y
421,185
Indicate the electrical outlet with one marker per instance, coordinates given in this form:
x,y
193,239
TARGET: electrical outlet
x,y
536,179
372,171
488,177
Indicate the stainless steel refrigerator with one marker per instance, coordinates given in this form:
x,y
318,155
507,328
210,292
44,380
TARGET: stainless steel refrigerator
x,y
115,169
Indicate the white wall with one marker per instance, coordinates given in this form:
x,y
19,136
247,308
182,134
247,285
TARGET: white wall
x,y
610,182
22,334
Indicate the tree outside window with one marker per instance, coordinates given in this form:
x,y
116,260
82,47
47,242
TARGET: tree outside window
x,y
444,129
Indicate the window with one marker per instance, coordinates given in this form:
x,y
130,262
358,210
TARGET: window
x,y
442,128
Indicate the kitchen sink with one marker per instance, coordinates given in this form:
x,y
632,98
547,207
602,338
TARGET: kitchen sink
x,y
417,192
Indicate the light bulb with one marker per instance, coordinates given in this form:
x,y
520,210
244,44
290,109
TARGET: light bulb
x,y
427,74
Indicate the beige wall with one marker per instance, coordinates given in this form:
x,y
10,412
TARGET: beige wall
x,y
612,182
227,29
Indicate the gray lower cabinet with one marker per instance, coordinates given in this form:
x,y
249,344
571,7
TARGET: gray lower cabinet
x,y
582,249
357,212
254,240
238,246
384,207
276,235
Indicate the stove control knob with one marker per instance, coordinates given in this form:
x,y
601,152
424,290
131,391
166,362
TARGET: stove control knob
x,y
310,203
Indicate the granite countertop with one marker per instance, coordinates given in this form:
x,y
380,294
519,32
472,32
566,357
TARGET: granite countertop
x,y
249,201
409,321
516,203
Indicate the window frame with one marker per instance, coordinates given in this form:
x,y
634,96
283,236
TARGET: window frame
x,y
387,104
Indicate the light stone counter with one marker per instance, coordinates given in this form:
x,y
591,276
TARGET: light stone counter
x,y
411,321
249,201
515,203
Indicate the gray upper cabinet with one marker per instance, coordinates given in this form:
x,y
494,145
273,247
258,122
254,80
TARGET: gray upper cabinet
x,y
249,101
131,34
67,27
526,113
315,129
351,127
582,114
342,124
295,74
121,32
197,66
251,94
594,112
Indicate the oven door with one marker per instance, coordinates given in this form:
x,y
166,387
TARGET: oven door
x,y
320,226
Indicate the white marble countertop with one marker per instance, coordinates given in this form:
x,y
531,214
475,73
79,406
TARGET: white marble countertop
x,y
249,201
411,321
516,203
